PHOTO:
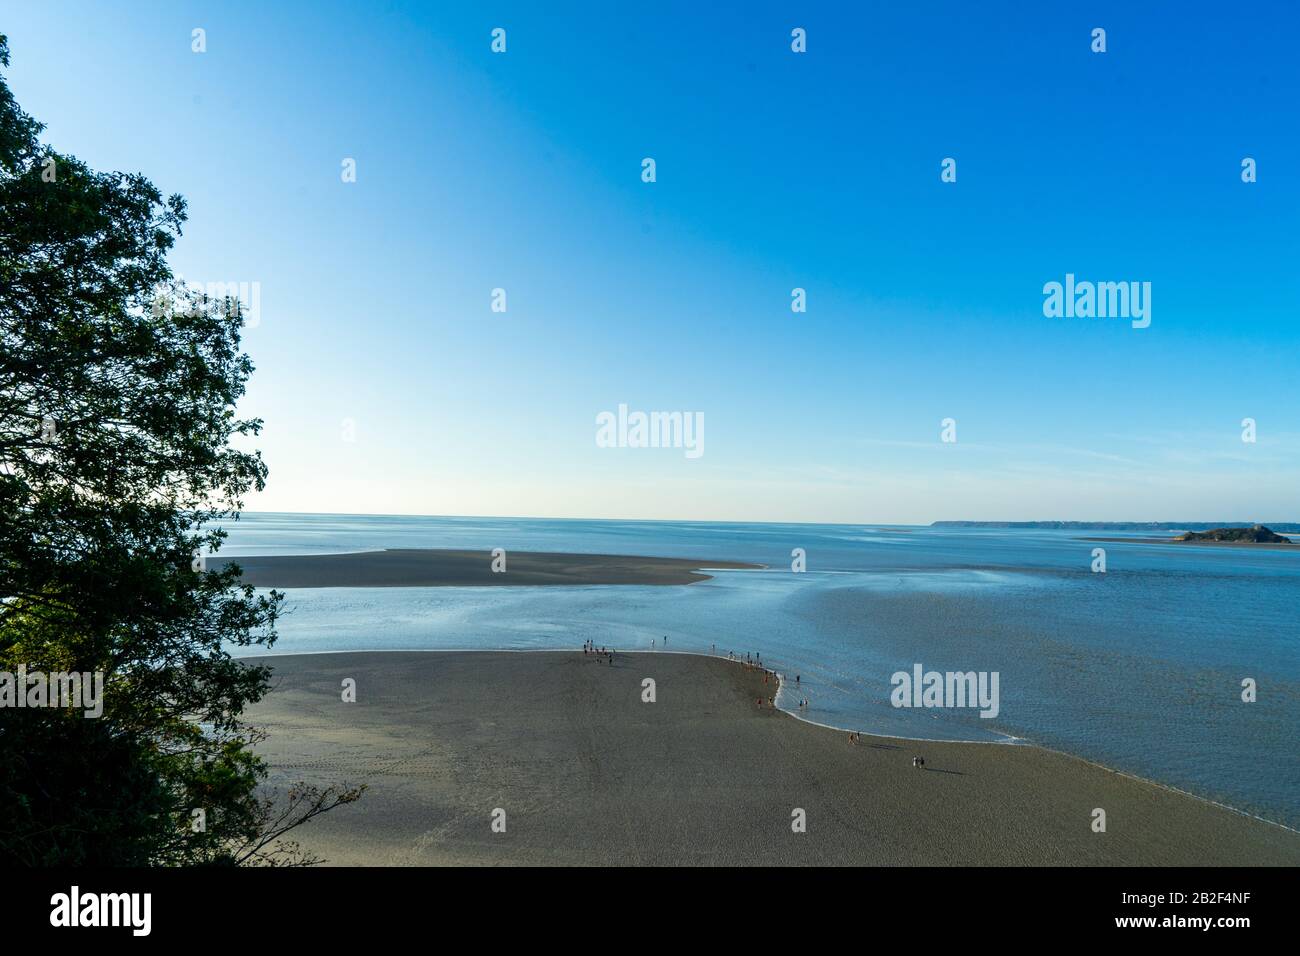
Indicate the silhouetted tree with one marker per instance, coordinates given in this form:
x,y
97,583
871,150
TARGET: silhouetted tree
x,y
117,413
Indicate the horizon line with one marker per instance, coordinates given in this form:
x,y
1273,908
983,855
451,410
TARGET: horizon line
x,y
845,524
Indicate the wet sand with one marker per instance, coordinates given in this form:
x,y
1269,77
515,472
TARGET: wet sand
x,y
589,774
431,568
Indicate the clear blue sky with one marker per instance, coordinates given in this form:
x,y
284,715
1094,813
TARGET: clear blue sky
x,y
775,170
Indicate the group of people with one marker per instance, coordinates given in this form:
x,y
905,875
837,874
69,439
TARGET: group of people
x,y
601,653
918,762
769,677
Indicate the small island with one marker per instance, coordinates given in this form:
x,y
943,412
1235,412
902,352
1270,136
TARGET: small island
x,y
1254,535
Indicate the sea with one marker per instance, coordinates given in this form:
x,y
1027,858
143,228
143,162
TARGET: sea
x,y
1141,668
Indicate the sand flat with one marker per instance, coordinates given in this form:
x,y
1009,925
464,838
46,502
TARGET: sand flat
x,y
589,774
435,567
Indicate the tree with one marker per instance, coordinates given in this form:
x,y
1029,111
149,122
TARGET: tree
x,y
118,392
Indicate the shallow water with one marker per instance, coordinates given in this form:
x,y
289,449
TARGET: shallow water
x,y
1139,668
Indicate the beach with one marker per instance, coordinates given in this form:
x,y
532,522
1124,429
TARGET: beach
x,y
587,773
436,567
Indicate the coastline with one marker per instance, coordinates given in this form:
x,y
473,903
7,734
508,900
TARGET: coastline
x,y
1012,741
710,760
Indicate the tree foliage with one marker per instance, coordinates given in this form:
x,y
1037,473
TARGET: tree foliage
x,y
118,427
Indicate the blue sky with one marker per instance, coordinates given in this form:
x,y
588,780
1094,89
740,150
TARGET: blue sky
x,y
775,170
